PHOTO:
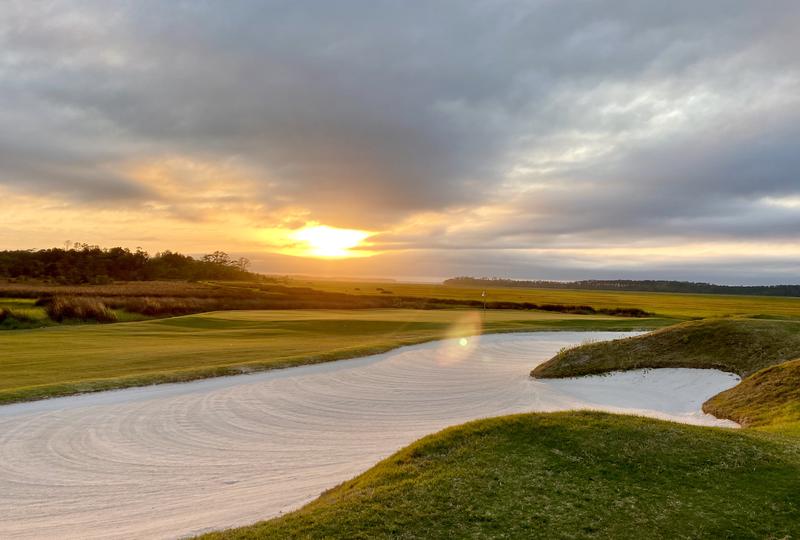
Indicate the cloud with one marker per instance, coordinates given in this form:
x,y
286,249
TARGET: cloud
x,y
491,125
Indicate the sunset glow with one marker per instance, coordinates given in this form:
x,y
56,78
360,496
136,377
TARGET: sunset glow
x,y
329,242
386,150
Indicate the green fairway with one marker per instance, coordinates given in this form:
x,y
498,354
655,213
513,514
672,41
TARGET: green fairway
x,y
62,360
666,304
563,475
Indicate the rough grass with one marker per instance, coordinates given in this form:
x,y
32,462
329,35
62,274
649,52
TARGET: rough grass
x,y
770,397
62,360
563,475
738,345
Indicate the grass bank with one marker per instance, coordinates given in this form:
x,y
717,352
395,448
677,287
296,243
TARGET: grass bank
x,y
768,398
738,345
64,360
563,475
765,353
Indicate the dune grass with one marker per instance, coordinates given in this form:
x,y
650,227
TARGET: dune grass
x,y
563,475
685,306
62,360
738,345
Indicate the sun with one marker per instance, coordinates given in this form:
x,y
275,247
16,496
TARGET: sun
x,y
329,242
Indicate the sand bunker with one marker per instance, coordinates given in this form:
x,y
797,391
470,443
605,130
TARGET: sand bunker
x,y
172,460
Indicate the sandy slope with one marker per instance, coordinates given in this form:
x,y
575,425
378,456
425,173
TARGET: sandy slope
x,y
171,460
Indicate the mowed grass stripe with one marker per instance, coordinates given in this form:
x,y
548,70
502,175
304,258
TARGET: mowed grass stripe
x,y
64,360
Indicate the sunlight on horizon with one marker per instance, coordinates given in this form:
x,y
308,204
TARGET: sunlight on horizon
x,y
318,241
329,242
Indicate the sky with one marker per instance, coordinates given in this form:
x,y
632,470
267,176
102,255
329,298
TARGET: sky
x,y
421,139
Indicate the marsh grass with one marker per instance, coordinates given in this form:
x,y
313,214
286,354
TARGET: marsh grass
x,y
79,308
679,305
132,300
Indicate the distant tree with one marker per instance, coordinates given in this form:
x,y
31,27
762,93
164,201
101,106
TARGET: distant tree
x,y
85,263
631,285
242,263
218,257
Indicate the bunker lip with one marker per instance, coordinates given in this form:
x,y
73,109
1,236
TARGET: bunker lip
x,y
177,459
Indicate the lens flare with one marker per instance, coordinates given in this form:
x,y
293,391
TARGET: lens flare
x,y
463,337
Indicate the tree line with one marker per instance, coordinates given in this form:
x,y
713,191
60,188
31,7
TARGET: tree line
x,y
632,285
84,263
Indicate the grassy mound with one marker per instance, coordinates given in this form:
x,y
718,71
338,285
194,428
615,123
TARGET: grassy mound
x,y
769,397
738,345
563,475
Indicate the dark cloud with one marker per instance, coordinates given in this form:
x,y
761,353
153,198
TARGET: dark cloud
x,y
593,122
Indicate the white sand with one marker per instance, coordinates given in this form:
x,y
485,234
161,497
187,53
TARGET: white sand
x,y
171,460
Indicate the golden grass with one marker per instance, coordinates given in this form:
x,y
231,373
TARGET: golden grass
x,y
664,304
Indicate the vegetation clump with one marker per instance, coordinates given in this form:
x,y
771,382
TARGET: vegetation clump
x,y
79,308
13,319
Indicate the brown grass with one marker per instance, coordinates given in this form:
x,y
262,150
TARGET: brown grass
x,y
127,288
79,308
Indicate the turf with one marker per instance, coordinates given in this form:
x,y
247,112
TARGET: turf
x,y
64,360
563,475
676,305
738,345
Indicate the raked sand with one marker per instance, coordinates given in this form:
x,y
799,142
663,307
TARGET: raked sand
x,y
173,460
